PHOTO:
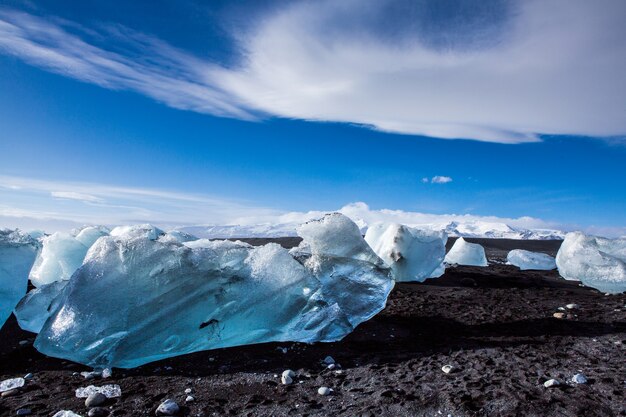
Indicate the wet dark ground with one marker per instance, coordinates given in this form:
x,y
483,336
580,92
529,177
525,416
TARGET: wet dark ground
x,y
495,325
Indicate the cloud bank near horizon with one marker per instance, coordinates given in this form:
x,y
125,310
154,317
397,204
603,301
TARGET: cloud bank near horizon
x,y
489,70
70,205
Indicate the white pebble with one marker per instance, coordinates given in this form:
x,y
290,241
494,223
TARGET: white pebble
x,y
286,379
579,379
189,399
447,368
324,391
572,306
551,383
188,391
331,366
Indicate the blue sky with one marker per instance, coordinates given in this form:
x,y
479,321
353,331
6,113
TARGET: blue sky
x,y
233,111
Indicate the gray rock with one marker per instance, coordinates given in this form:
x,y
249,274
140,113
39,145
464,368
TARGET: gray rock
x,y
325,391
28,376
551,383
95,399
167,408
98,412
24,412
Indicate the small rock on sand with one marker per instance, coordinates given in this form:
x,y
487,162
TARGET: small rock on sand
x,y
572,306
190,399
95,399
559,315
551,383
579,379
24,412
167,408
98,412
325,391
447,369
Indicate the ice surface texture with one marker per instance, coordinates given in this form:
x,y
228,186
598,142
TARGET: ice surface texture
x,y
138,298
595,261
34,309
465,253
17,254
62,254
524,259
412,254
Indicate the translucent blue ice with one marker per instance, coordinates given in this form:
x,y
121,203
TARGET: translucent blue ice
x,y
138,298
465,253
17,254
524,259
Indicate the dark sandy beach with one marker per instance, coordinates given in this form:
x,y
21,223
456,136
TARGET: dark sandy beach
x,y
494,325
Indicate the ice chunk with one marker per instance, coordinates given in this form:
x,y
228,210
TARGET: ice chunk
x,y
137,299
13,383
595,261
524,259
17,254
465,253
177,236
109,391
336,235
412,254
138,230
62,254
34,309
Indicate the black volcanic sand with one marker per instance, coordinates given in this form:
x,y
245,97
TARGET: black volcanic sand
x,y
495,325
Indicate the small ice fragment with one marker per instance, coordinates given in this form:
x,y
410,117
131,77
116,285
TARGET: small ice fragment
x,y
10,384
579,379
189,399
110,391
572,306
325,391
107,373
328,360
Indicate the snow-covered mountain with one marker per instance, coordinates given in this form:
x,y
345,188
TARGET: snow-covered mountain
x,y
454,228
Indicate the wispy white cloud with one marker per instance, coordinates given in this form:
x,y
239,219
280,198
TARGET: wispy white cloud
x,y
72,195
542,67
438,179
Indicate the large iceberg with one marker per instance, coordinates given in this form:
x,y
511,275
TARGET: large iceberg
x,y
62,254
524,259
412,254
465,253
17,254
138,298
595,261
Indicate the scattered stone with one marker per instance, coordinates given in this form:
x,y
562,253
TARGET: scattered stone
x,y
559,315
95,399
66,413
572,306
11,384
328,360
23,342
10,393
325,391
109,391
551,383
331,366
468,282
286,379
190,399
188,390
561,308
29,376
167,408
579,379
98,412
24,412
447,368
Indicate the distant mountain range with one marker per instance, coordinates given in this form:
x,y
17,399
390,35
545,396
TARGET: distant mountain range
x,y
454,229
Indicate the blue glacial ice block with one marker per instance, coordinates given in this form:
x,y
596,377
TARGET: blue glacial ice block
x,y
465,253
17,254
138,298
524,260
597,262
